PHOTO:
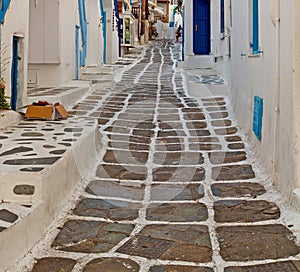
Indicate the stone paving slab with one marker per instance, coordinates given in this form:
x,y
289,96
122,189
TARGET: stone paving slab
x,y
238,189
227,157
171,242
53,264
109,209
178,174
233,172
177,268
116,189
173,212
245,211
122,172
178,158
90,236
245,243
162,192
125,157
112,265
288,266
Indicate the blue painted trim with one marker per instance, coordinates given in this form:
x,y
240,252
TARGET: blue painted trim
x,y
103,14
257,117
105,38
14,73
83,28
3,10
119,24
222,16
77,52
255,27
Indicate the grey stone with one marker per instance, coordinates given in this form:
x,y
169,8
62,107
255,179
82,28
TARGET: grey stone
x,y
34,161
111,265
24,189
8,216
54,264
246,243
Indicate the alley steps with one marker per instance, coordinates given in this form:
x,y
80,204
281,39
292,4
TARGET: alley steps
x,y
199,62
96,72
67,95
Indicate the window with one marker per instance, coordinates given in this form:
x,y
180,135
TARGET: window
x,y
222,17
254,26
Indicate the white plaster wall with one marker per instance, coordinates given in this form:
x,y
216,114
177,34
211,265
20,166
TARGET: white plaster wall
x,y
257,76
95,34
284,178
16,21
59,74
188,28
297,95
220,42
112,39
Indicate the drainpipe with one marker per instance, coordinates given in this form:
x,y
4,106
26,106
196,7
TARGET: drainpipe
x,y
277,90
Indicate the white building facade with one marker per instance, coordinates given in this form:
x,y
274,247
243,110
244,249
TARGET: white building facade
x,y
255,44
14,51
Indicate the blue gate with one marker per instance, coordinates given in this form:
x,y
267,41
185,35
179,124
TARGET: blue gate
x,y
201,27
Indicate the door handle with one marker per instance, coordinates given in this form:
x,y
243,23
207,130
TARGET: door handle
x,y
196,28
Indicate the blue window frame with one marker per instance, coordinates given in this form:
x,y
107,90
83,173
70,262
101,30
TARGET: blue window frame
x,y
254,44
222,17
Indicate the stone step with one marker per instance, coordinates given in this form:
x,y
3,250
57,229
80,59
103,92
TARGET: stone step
x,y
96,70
66,95
199,61
37,178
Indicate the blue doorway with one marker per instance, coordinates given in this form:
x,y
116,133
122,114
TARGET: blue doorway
x,y
14,73
201,27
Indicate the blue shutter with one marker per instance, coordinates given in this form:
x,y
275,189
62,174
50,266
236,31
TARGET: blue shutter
x,y
255,27
222,17
257,116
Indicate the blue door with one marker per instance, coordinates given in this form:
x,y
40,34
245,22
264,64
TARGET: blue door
x,y
14,74
201,26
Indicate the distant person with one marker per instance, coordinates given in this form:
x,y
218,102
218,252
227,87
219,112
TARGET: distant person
x,y
178,33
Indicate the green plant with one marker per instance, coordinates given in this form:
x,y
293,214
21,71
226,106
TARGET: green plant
x,y
3,102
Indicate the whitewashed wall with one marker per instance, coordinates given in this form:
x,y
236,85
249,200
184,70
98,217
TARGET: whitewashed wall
x,y
95,34
16,21
280,43
296,98
188,28
63,72
112,39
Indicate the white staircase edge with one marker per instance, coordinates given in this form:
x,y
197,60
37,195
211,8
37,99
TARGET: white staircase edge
x,y
57,185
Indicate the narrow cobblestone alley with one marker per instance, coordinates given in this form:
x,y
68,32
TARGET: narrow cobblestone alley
x,y
174,189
